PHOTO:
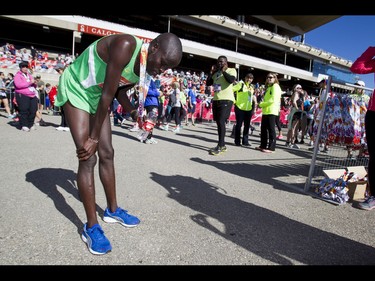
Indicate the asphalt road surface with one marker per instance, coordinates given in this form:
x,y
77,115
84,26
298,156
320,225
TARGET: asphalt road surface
x,y
243,207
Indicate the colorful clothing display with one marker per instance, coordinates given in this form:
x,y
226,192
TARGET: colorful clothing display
x,y
343,121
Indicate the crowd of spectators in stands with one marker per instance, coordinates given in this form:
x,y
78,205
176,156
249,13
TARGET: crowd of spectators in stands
x,y
38,60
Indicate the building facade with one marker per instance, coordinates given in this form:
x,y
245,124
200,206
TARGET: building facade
x,y
257,44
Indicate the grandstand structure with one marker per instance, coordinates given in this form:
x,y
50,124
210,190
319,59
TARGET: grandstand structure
x,y
50,75
257,44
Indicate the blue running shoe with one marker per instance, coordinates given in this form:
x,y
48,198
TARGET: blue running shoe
x,y
95,239
368,204
121,216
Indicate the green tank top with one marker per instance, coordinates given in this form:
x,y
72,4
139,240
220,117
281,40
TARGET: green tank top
x,y
81,83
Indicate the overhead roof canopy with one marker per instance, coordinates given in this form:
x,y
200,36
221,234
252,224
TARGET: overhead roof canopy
x,y
292,26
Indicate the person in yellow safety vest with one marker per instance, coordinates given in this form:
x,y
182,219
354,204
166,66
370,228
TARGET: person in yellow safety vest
x,y
243,105
270,111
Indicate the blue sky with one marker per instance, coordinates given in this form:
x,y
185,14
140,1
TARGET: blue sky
x,y
347,37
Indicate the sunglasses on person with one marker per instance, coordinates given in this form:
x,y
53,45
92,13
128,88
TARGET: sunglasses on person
x,y
270,77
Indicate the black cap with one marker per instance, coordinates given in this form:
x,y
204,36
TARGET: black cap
x,y
23,64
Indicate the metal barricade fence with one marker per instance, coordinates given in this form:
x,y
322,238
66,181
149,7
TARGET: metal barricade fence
x,y
10,96
339,132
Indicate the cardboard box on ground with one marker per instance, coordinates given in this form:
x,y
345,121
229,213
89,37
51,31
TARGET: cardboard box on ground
x,y
357,189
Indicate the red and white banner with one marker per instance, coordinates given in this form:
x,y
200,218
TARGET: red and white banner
x,y
284,116
103,32
205,113
257,116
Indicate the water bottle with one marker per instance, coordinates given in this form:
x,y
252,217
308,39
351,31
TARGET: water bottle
x,y
148,124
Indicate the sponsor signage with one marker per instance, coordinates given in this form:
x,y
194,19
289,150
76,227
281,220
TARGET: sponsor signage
x,y
98,31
